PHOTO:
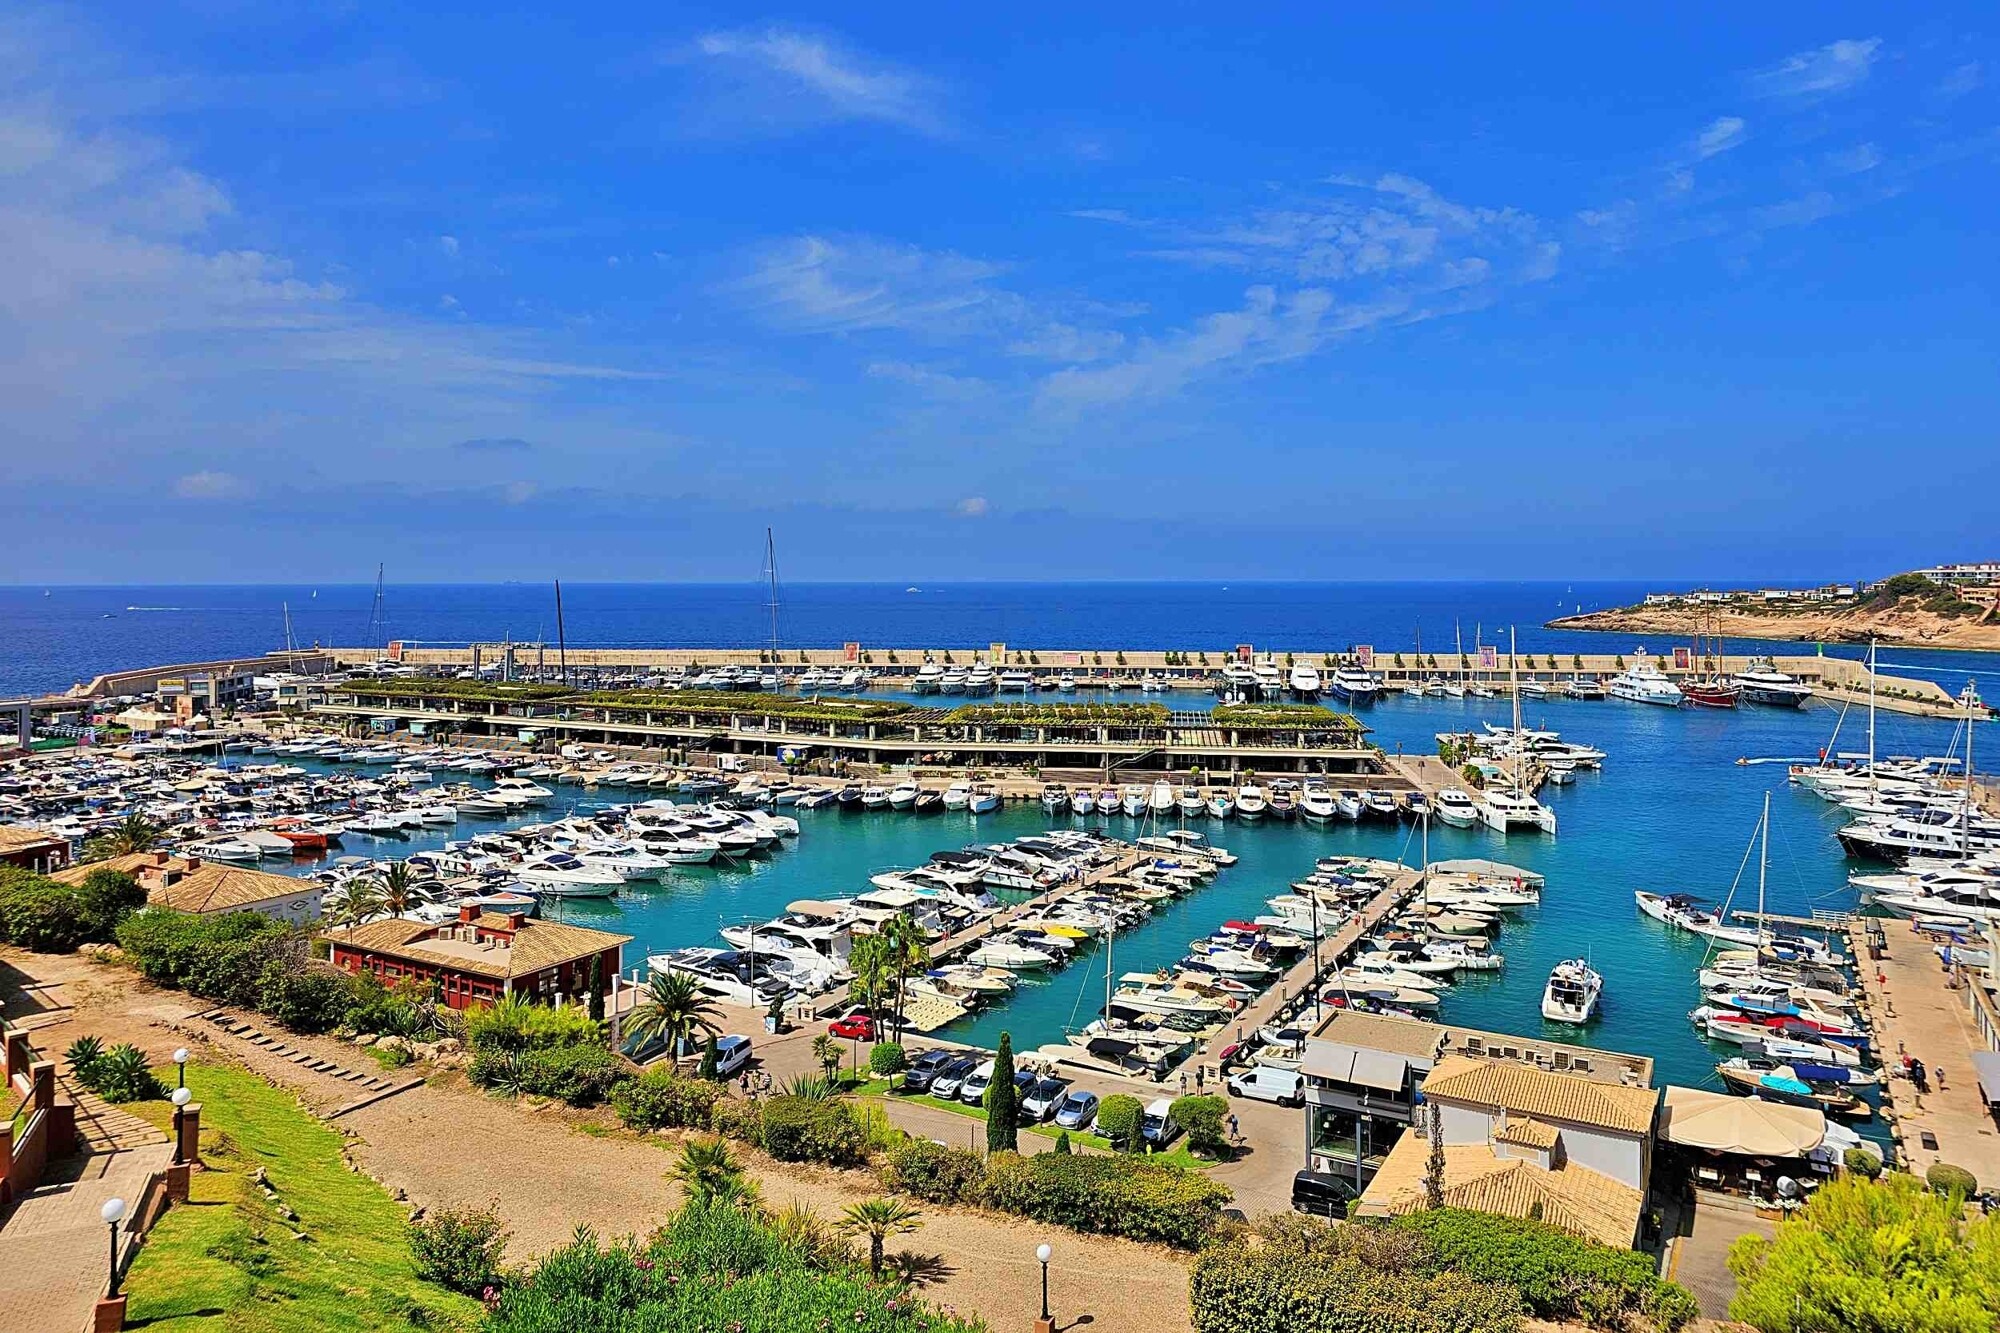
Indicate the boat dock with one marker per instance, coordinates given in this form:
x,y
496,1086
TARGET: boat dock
x,y
1303,977
1916,1007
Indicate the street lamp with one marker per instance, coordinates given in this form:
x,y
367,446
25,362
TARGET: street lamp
x,y
1043,1253
112,1211
181,1064
182,1096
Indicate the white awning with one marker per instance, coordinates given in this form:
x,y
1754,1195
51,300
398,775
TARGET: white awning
x,y
1337,1062
1987,1063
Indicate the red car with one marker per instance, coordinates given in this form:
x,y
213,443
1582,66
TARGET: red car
x,y
857,1026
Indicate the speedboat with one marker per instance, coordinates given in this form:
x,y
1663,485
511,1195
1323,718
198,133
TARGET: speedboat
x,y
985,798
1251,802
1572,993
1317,804
874,797
903,794
1220,806
563,875
958,795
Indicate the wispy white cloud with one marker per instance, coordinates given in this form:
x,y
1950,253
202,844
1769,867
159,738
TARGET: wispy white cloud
x,y
929,380
1828,69
1853,161
1962,80
972,506
851,284
785,74
1719,136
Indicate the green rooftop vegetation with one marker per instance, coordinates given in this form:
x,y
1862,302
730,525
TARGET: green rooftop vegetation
x,y
1312,717
1062,715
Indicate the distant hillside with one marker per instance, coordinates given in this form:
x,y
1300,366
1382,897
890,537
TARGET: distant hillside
x,y
1907,610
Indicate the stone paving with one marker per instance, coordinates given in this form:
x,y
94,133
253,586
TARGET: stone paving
x,y
1913,1010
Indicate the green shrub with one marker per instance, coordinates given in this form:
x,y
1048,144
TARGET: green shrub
x,y
83,1053
1117,1196
886,1059
740,1120
1560,1276
215,957
515,1024
579,1075
39,914
105,898
1944,1178
714,1267
662,1099
1202,1118
800,1129
1301,1275
1861,1162
121,1074
1118,1120
313,997
935,1172
459,1248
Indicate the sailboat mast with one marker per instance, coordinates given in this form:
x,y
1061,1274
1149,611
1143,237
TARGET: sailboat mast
x,y
1970,697
771,567
562,639
1763,866
1871,720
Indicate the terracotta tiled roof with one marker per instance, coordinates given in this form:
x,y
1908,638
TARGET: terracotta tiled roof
x,y
214,887
18,838
130,864
1528,1134
1573,1198
537,946
1534,1092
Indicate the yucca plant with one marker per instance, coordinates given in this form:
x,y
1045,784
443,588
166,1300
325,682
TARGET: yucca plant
x,y
83,1055
121,1074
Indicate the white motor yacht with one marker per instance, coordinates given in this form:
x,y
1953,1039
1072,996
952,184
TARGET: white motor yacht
x,y
903,794
1644,683
985,798
1762,683
1304,680
1572,993
563,875
1251,802
1220,805
1317,804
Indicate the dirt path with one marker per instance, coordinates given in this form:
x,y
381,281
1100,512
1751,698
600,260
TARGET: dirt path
x,y
448,1145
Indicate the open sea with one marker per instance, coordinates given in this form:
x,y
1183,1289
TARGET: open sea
x,y
1671,810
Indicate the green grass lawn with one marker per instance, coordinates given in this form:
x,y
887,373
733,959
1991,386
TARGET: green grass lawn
x,y
230,1260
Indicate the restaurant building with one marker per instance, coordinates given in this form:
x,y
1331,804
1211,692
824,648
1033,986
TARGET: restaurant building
x,y
482,956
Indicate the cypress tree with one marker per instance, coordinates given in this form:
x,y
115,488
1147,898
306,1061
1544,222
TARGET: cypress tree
x,y
710,1060
1002,1112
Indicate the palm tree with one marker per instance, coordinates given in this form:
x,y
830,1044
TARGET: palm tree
x,y
135,833
827,1051
710,1173
878,1219
400,890
909,951
673,1009
870,963
353,903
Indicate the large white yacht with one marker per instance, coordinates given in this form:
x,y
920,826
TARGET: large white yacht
x,y
1501,810
1305,680
1644,683
1762,683
1456,807
1354,685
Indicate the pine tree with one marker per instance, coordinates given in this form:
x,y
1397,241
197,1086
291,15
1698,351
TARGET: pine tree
x,y
1003,1132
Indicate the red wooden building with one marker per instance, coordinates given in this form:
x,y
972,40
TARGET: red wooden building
x,y
483,956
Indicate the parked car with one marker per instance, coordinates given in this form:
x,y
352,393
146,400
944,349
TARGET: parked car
x,y
1156,1126
923,1070
1263,1083
949,1080
856,1026
973,1091
1041,1099
731,1054
1322,1194
1077,1110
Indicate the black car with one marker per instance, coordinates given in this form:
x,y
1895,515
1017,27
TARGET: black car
x,y
1325,1195
924,1069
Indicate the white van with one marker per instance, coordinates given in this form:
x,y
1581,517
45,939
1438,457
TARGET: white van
x,y
1263,1083
1156,1127
973,1091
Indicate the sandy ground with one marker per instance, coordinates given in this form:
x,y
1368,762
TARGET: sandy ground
x,y
549,1170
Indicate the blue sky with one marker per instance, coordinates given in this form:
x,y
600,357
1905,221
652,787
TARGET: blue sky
x,y
1146,291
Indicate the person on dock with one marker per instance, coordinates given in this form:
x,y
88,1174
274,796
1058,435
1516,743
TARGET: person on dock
x,y
1184,1083
1917,1076
1939,1071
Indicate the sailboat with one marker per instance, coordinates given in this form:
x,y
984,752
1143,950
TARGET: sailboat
x,y
1713,689
1455,688
1501,808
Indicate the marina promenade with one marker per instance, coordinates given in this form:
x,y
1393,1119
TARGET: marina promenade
x,y
1915,1009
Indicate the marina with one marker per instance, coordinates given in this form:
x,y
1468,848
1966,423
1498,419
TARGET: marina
x,y
1653,795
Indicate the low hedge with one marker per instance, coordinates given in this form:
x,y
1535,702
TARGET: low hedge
x,y
1560,1276
935,1172
1300,1275
1116,1196
663,1099
807,1129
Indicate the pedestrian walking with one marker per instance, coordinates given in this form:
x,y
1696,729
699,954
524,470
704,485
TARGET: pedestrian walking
x,y
1235,1135
1917,1076
1200,1077
1939,1071
1183,1083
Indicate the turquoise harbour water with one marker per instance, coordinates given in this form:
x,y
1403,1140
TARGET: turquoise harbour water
x,y
1671,810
